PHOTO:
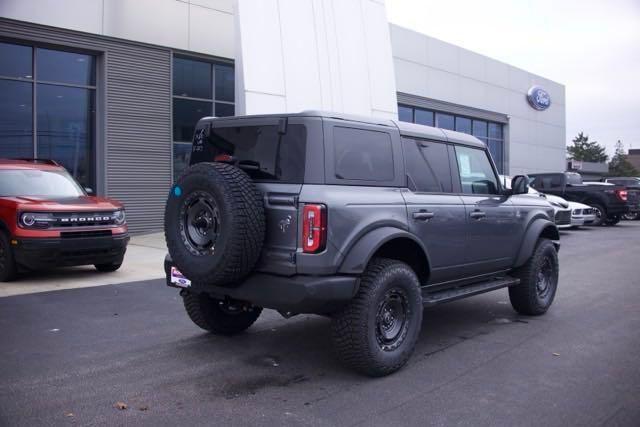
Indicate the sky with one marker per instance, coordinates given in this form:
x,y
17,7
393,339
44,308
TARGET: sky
x,y
590,46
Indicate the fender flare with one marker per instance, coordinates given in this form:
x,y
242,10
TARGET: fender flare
x,y
358,257
531,236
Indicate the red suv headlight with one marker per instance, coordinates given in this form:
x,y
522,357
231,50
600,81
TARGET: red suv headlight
x,y
36,220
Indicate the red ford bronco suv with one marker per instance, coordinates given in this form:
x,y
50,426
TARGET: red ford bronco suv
x,y
48,220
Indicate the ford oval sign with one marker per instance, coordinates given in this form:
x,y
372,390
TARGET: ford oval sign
x,y
538,98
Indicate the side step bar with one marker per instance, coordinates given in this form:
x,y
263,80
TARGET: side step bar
x,y
438,297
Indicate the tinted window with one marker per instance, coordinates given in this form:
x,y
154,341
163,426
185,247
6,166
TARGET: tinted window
x,y
362,154
65,67
405,114
66,120
225,83
260,151
427,166
15,61
192,78
16,119
424,117
476,174
186,114
445,121
463,124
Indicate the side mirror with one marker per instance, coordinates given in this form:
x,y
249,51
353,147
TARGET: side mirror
x,y
88,190
520,184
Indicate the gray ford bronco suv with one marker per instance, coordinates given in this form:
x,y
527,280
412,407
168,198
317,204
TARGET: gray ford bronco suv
x,y
363,220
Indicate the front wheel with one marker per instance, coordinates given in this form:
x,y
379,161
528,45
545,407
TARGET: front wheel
x,y
601,214
377,332
7,263
538,281
221,317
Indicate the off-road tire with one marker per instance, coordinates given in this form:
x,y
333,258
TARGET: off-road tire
x,y
214,316
108,268
240,231
8,269
526,297
355,330
600,219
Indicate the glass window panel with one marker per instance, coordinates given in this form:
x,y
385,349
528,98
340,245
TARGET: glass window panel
x,y
427,166
463,124
16,119
181,155
15,61
186,114
224,110
405,114
445,121
225,83
192,78
480,128
65,67
424,117
476,174
66,122
362,154
495,130
496,150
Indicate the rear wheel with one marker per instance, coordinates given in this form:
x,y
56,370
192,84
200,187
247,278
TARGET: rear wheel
x,y
377,332
8,269
538,281
601,214
631,216
222,317
613,220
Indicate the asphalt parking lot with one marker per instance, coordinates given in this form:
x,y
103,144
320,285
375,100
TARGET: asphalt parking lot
x,y
67,357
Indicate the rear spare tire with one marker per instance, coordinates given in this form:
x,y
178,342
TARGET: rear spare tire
x,y
214,224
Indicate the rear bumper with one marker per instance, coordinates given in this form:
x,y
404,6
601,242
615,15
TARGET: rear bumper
x,y
35,253
295,294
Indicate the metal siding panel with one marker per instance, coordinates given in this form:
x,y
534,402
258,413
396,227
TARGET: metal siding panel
x,y
137,114
447,107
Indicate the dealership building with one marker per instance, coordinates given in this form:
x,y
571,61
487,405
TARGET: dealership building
x,y
113,89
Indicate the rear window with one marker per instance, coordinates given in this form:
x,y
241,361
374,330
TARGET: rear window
x,y
262,152
362,154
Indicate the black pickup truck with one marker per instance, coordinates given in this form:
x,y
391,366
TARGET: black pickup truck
x,y
632,185
609,201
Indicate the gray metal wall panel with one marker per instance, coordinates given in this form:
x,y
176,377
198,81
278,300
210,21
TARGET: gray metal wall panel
x,y
135,143
447,107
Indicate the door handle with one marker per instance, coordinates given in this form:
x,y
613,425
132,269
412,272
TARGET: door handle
x,y
477,214
423,215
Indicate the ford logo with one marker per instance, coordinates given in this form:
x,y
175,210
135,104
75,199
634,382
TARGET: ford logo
x,y
538,98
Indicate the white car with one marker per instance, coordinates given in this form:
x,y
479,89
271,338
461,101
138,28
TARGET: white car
x,y
562,211
581,214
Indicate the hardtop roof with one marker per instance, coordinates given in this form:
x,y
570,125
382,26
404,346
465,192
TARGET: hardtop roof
x,y
406,129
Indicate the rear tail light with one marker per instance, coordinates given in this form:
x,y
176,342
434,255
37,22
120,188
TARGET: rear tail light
x,y
224,158
622,195
314,228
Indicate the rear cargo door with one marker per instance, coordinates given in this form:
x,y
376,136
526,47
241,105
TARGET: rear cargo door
x,y
273,152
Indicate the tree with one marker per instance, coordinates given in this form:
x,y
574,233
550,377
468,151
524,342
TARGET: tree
x,y
619,165
587,151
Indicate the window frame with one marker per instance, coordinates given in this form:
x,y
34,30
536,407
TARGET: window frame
x,y
97,147
213,101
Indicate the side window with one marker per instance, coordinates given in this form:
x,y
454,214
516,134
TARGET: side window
x,y
555,181
428,168
476,174
362,154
